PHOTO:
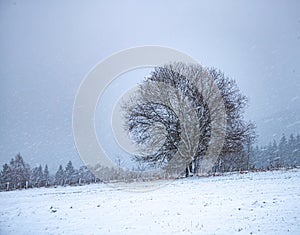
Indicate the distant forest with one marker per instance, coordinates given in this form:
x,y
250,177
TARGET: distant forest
x,y
17,174
285,154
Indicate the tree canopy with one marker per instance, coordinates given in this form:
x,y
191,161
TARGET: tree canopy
x,y
187,115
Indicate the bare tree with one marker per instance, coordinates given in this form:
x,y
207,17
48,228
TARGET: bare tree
x,y
187,115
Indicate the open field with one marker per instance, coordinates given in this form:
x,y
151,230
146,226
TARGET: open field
x,y
253,203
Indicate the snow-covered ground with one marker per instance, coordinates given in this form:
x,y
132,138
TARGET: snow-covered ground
x,y
253,203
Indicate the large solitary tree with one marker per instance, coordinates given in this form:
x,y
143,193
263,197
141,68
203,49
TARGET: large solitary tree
x,y
188,116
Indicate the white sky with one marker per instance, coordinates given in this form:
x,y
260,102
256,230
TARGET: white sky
x,y
47,47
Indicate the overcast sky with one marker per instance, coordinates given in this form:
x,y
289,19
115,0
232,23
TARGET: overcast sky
x,y
47,47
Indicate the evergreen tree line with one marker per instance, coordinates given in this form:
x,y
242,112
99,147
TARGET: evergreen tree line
x,y
17,174
285,154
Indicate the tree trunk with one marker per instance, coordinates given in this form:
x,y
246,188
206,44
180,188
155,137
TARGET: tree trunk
x,y
196,165
188,169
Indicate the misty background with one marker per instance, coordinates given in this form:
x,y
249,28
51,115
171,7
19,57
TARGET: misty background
x,y
48,47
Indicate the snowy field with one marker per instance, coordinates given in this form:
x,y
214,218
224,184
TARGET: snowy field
x,y
253,203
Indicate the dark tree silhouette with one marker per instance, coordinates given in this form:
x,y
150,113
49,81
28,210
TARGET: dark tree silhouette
x,y
188,114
